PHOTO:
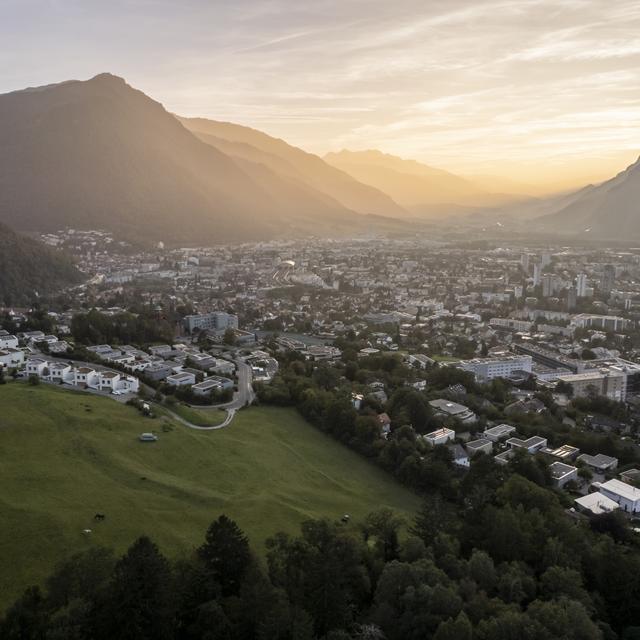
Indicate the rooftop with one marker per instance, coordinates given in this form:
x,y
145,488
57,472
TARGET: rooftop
x,y
479,443
597,503
500,430
447,406
622,489
560,470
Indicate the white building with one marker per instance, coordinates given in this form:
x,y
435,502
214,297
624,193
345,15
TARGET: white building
x,y
182,379
215,321
36,366
607,323
497,433
440,436
530,445
109,380
10,357
213,383
626,495
59,371
485,369
8,341
562,473
453,410
86,376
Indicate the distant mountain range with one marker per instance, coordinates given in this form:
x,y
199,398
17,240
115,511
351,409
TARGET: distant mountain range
x,y
29,269
250,147
423,190
101,154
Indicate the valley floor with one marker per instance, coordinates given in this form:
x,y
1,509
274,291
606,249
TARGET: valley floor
x,y
66,456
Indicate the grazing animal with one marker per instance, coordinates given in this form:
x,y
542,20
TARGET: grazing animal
x,y
99,516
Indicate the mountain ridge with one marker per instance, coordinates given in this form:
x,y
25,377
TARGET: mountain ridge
x,y
610,208
99,153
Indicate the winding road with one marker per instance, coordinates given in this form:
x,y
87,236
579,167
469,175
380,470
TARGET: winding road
x,y
241,397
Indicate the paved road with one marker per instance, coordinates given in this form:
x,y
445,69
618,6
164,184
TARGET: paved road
x,y
226,422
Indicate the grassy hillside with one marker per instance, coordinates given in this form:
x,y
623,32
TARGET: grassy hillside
x,y
67,455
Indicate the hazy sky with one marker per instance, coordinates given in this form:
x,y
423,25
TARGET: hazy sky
x,y
542,90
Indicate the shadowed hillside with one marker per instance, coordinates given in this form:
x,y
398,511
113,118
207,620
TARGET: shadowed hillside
x,y
28,269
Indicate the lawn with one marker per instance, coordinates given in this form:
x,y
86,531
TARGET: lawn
x,y
441,358
201,417
67,455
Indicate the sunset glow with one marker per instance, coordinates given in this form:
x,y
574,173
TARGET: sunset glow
x,y
544,92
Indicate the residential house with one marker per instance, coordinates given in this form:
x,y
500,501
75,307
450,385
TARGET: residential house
x,y
481,445
36,366
440,436
182,379
599,463
627,496
459,455
86,376
499,432
530,445
562,473
10,357
596,504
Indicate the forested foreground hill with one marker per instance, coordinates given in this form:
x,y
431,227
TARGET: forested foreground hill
x,y
333,581
29,269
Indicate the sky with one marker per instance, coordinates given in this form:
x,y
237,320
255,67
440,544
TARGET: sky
x,y
544,92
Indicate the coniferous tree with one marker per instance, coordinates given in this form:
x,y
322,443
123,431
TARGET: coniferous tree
x,y
225,554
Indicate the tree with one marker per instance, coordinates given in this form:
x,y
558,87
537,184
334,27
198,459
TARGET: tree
x,y
384,525
482,570
229,336
564,618
26,619
225,554
458,629
140,602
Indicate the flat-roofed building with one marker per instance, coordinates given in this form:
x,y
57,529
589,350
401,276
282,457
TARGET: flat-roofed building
x,y
182,379
485,369
499,432
10,357
530,445
453,410
212,383
440,436
215,321
599,462
631,476
611,383
481,445
562,473
596,504
626,495
564,452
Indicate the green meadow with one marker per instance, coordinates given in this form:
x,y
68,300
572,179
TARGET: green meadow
x,y
67,455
